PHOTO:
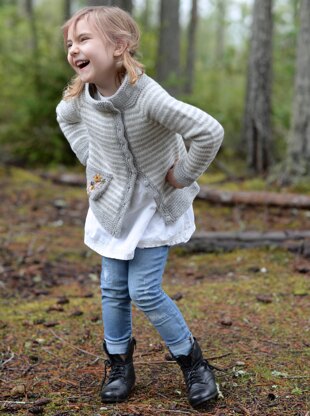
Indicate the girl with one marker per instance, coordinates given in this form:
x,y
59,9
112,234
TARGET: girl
x,y
141,182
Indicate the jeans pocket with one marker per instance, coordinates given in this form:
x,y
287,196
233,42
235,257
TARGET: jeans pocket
x,y
97,182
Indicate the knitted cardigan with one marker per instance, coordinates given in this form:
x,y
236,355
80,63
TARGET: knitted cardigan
x,y
138,133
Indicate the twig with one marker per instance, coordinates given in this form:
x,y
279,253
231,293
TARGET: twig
x,y
167,410
29,368
217,357
137,362
73,347
4,381
154,362
67,382
12,402
49,352
8,360
175,411
246,411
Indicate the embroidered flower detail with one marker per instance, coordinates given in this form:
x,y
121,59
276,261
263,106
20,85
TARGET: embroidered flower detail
x,y
95,183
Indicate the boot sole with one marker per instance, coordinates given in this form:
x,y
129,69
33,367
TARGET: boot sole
x,y
204,401
113,400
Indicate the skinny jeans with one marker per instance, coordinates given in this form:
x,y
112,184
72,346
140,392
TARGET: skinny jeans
x,y
140,281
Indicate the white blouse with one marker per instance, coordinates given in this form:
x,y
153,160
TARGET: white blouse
x,y
143,228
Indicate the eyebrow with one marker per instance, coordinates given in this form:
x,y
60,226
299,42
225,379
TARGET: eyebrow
x,y
84,34
80,36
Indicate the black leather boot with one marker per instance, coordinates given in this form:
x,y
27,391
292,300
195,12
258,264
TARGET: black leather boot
x,y
122,377
198,375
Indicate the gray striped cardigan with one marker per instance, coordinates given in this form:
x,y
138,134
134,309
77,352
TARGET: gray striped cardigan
x,y
138,133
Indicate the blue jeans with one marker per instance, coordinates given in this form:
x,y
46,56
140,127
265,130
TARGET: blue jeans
x,y
139,280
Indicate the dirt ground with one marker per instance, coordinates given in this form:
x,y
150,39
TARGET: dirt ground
x,y
249,309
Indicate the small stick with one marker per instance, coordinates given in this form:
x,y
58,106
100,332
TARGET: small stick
x,y
73,347
8,360
217,357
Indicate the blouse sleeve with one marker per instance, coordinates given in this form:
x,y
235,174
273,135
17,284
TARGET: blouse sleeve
x,y
72,126
204,133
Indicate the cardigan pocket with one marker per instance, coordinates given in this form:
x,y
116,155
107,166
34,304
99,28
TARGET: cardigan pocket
x,y
97,182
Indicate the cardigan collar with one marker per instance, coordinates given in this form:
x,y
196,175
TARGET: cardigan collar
x,y
125,96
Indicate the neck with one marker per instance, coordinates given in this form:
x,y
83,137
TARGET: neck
x,y
108,91
111,88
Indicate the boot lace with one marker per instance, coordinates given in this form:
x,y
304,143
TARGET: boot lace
x,y
117,371
193,376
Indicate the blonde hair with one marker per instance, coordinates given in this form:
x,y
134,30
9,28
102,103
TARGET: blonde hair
x,y
115,26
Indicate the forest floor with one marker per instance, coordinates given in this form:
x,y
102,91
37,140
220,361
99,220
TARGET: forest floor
x,y
249,309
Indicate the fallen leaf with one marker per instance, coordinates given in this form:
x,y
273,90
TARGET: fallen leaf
x,y
42,402
63,300
226,321
177,296
264,298
50,324
36,410
18,390
77,313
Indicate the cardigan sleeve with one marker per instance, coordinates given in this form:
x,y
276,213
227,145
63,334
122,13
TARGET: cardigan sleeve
x,y
204,133
72,126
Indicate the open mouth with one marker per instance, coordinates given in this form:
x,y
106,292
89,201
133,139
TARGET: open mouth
x,y
82,64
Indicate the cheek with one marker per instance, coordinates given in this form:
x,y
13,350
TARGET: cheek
x,y
69,59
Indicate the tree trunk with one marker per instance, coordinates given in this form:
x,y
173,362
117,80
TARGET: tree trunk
x,y
168,60
191,49
221,9
67,9
99,2
146,14
298,160
257,125
34,47
123,4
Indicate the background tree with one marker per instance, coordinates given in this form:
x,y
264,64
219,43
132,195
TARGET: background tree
x,y
191,49
298,163
29,133
221,12
123,4
98,2
67,9
168,59
145,16
257,114
34,45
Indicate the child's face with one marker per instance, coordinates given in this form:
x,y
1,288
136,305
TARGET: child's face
x,y
91,57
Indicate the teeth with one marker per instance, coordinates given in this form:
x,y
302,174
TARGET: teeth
x,y
82,64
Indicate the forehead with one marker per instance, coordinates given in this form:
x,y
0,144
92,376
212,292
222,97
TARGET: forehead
x,y
82,25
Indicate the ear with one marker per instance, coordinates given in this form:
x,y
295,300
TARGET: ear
x,y
120,48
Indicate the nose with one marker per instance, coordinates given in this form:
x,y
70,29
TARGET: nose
x,y
74,49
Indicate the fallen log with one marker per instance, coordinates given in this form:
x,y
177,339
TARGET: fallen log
x,y
71,179
254,198
210,242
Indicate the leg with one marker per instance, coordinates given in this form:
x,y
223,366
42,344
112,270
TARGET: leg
x,y
116,305
118,344
144,282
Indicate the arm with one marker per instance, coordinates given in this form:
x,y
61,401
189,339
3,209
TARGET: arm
x,y
69,119
202,130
